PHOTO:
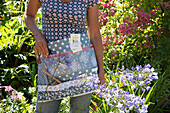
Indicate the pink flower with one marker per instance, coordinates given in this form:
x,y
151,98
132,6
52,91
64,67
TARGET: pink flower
x,y
105,20
101,17
157,9
136,44
141,48
94,106
120,42
99,12
14,92
105,15
122,27
113,4
105,40
134,4
152,12
133,32
113,54
105,48
107,5
8,88
124,20
111,12
99,23
14,95
157,3
113,34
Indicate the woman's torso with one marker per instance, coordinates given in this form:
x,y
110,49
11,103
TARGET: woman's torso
x,y
60,19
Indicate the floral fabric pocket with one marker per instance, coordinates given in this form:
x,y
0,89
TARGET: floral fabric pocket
x,y
69,67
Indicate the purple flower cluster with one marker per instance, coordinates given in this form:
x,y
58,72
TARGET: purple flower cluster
x,y
92,81
122,100
139,77
64,60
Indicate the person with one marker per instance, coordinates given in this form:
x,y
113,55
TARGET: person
x,y
61,19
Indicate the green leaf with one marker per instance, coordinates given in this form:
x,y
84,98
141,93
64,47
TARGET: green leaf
x,y
150,93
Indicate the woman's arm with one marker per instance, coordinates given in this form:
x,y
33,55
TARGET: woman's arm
x,y
40,45
96,38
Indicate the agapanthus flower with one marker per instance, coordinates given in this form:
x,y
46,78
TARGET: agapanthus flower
x,y
140,77
123,100
119,105
67,62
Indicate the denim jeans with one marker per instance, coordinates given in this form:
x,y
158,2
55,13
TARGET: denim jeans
x,y
79,104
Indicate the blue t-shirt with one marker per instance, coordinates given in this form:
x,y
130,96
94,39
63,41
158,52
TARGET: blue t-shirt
x,y
60,19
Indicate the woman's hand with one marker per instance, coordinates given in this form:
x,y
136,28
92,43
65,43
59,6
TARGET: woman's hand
x,y
40,47
101,78
102,83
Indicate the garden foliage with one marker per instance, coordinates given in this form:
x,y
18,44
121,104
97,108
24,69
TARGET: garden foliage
x,y
135,33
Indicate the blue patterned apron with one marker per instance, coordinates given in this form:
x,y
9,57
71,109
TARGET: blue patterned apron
x,y
72,69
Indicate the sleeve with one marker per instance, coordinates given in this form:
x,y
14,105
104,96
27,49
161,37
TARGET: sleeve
x,y
92,3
